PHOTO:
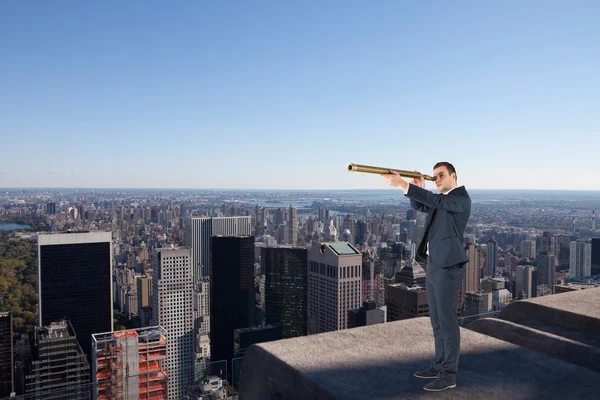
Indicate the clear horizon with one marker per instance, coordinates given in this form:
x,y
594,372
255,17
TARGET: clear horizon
x,y
222,95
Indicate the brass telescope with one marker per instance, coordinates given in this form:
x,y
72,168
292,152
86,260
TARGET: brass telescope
x,y
378,170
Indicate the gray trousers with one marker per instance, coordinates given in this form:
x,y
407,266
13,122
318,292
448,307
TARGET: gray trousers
x,y
443,288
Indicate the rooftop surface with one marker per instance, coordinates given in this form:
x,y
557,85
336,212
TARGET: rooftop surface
x,y
535,359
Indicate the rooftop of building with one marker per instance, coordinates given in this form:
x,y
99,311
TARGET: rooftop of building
x,y
414,288
147,334
579,286
258,328
59,329
341,248
531,350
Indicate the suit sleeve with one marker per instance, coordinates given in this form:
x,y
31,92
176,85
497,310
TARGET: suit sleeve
x,y
439,201
415,205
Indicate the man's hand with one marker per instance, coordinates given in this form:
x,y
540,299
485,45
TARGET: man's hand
x,y
418,181
394,179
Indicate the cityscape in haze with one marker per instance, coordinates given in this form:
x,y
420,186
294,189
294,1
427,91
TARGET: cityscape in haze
x,y
174,195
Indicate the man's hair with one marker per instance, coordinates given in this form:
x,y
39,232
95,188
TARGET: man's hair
x,y
449,166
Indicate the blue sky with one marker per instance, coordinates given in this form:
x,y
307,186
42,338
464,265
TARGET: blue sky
x,y
283,95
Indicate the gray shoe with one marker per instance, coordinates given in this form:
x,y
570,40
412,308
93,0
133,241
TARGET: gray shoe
x,y
442,383
427,374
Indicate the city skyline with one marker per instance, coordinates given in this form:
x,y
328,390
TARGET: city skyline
x,y
284,96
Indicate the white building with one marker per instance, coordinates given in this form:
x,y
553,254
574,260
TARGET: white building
x,y
524,281
500,299
173,309
580,263
198,231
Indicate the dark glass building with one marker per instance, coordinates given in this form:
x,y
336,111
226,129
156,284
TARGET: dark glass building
x,y
58,369
75,282
285,273
231,292
6,355
595,256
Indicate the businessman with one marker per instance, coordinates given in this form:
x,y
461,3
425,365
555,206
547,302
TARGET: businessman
x,y
442,248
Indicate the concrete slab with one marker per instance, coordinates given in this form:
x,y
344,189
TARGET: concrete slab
x,y
577,349
377,362
579,310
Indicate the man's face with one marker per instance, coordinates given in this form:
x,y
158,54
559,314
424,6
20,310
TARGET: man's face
x,y
443,180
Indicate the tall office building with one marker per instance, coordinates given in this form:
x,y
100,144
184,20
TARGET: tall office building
x,y
563,246
334,285
257,216
202,325
144,294
545,267
580,263
173,309
472,269
279,216
231,292
58,368
595,256
130,364
6,355
198,231
285,272
525,282
528,248
491,261
75,282
350,223
50,208
420,221
293,224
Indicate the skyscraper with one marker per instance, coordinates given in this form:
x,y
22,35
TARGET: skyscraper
x,y
198,231
528,248
231,292
350,223
491,261
6,355
58,368
173,309
595,256
50,208
420,221
286,289
580,263
334,285
473,269
545,268
524,282
75,282
293,224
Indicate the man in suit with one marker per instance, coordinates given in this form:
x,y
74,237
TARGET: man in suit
x,y
442,248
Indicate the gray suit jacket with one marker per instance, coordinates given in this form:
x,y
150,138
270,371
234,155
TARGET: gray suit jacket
x,y
447,227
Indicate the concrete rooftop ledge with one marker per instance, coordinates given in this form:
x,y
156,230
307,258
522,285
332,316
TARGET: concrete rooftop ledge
x,y
579,310
377,362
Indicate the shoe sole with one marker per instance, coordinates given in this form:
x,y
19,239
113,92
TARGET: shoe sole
x,y
440,390
425,377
